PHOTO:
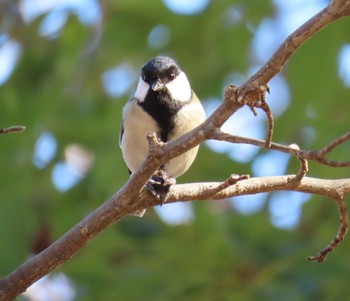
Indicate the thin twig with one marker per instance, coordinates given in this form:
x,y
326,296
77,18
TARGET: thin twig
x,y
313,155
344,224
333,144
127,199
265,107
13,129
258,100
232,180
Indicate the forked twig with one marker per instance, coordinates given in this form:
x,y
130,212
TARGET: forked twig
x,y
320,155
232,180
314,155
344,224
333,144
118,205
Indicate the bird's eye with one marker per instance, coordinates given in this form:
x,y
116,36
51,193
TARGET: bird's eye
x,y
171,76
147,78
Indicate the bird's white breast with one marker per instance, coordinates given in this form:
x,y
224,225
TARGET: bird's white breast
x,y
188,118
137,123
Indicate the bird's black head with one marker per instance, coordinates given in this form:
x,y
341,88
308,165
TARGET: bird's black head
x,y
162,91
162,77
160,69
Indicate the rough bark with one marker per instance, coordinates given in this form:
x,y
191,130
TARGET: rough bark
x,y
131,198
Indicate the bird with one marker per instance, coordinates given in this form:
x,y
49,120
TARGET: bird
x,y
165,104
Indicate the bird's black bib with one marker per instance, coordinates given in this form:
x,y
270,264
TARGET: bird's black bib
x,y
163,109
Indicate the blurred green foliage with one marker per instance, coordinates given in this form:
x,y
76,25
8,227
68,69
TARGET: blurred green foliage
x,y
57,86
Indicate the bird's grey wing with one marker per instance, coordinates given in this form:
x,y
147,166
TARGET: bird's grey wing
x,y
121,132
138,213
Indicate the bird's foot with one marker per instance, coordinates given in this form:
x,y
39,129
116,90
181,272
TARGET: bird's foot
x,y
159,184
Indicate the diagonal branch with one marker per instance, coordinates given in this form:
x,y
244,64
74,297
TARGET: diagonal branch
x,y
128,199
320,155
333,144
335,10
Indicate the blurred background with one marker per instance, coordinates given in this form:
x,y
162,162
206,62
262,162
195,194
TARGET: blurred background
x,y
67,67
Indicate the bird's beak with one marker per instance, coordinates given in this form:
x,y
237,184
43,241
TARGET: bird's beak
x,y
157,86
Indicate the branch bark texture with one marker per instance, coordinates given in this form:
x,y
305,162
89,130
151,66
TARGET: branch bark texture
x,y
131,196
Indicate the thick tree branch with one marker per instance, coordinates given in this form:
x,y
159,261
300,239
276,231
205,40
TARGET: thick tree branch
x,y
131,197
335,10
202,191
66,246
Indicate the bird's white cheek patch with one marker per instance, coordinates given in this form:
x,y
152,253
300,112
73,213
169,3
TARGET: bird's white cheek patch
x,y
180,88
141,90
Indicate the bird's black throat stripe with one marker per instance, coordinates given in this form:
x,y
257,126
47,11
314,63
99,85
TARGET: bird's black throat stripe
x,y
163,109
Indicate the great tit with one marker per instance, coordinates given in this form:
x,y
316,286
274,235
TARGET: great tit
x,y
165,104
